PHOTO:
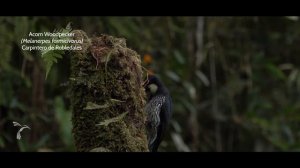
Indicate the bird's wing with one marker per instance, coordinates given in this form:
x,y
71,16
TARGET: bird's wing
x,y
153,109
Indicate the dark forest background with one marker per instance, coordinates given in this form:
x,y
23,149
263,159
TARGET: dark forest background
x,y
234,81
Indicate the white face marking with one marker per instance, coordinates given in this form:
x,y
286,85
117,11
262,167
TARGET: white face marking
x,y
153,88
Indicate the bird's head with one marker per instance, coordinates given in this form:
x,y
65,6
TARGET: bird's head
x,y
154,86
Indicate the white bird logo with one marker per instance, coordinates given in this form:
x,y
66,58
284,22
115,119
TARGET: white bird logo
x,y
20,130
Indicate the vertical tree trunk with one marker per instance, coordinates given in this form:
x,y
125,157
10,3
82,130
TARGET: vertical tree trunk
x,y
39,104
107,96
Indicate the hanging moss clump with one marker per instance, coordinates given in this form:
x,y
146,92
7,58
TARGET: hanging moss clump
x,y
107,96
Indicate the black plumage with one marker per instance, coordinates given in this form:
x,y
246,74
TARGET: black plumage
x,y
158,109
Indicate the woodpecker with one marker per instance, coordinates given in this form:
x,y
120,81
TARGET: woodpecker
x,y
158,110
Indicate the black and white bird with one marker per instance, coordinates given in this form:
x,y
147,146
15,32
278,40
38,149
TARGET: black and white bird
x,y
159,111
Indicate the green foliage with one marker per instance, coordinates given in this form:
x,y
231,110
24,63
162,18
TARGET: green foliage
x,y
243,97
2,144
50,56
63,118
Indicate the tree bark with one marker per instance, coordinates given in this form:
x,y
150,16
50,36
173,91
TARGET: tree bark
x,y
107,96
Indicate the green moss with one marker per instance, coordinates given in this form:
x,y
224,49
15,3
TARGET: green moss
x,y
107,70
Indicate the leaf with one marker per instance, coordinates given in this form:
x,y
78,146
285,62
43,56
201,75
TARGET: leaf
x,y
293,18
94,106
179,57
112,120
172,75
275,71
179,143
190,89
62,116
293,75
176,126
203,78
116,101
50,56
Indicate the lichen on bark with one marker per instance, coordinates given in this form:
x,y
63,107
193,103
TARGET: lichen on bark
x,y
106,82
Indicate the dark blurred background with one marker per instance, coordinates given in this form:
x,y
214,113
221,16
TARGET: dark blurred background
x,y
235,81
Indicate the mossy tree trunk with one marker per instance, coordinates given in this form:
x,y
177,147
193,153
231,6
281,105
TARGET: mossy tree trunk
x,y
107,96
